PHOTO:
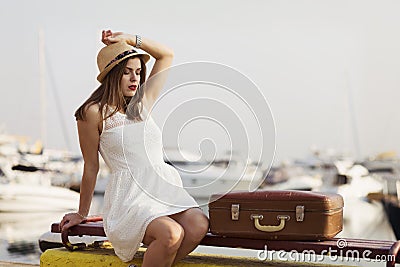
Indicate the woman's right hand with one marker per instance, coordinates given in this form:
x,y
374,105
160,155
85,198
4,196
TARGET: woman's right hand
x,y
108,37
69,220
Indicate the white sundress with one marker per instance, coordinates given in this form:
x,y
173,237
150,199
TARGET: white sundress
x,y
142,186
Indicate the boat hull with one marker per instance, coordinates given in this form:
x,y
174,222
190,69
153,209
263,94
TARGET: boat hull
x,y
33,198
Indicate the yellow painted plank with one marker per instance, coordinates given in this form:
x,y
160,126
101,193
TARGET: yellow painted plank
x,y
95,257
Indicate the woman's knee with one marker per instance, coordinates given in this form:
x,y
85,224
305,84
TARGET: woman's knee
x,y
169,236
168,233
172,236
198,228
203,226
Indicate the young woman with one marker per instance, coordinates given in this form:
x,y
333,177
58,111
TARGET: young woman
x,y
144,200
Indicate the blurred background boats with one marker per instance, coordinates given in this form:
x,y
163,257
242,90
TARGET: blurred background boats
x,y
387,166
27,176
363,217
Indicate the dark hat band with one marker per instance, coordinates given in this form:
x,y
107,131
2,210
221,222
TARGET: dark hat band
x,y
122,55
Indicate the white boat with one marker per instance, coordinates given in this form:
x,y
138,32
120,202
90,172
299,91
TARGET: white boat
x,y
387,166
358,182
36,198
203,178
32,192
306,176
302,182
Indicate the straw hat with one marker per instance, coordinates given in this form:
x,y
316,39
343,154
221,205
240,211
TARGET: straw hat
x,y
112,54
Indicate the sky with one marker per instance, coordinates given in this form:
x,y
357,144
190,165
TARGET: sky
x,y
327,70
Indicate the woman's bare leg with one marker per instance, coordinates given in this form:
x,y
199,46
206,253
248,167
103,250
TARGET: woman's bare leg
x,y
163,237
195,226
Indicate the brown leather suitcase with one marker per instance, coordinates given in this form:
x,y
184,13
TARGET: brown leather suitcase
x,y
276,215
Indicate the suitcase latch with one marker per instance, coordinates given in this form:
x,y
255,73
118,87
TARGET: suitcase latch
x,y
299,213
235,212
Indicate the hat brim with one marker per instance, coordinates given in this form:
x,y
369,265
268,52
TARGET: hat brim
x,y
102,75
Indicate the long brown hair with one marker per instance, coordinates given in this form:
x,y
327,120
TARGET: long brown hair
x,y
109,93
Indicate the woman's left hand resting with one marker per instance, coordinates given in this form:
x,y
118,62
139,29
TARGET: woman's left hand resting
x,y
70,219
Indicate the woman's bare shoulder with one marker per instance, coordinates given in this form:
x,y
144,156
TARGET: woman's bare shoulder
x,y
93,114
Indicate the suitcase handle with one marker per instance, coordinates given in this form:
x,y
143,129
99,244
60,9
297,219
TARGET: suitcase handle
x,y
269,228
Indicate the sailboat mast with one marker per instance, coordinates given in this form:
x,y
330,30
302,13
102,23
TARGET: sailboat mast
x,y
353,118
43,103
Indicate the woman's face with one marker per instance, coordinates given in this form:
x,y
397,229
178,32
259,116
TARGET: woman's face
x,y
131,77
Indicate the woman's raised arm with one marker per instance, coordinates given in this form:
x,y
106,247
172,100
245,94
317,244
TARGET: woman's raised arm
x,y
162,54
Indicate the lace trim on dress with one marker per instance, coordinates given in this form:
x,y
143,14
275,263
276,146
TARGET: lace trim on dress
x,y
115,120
120,119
